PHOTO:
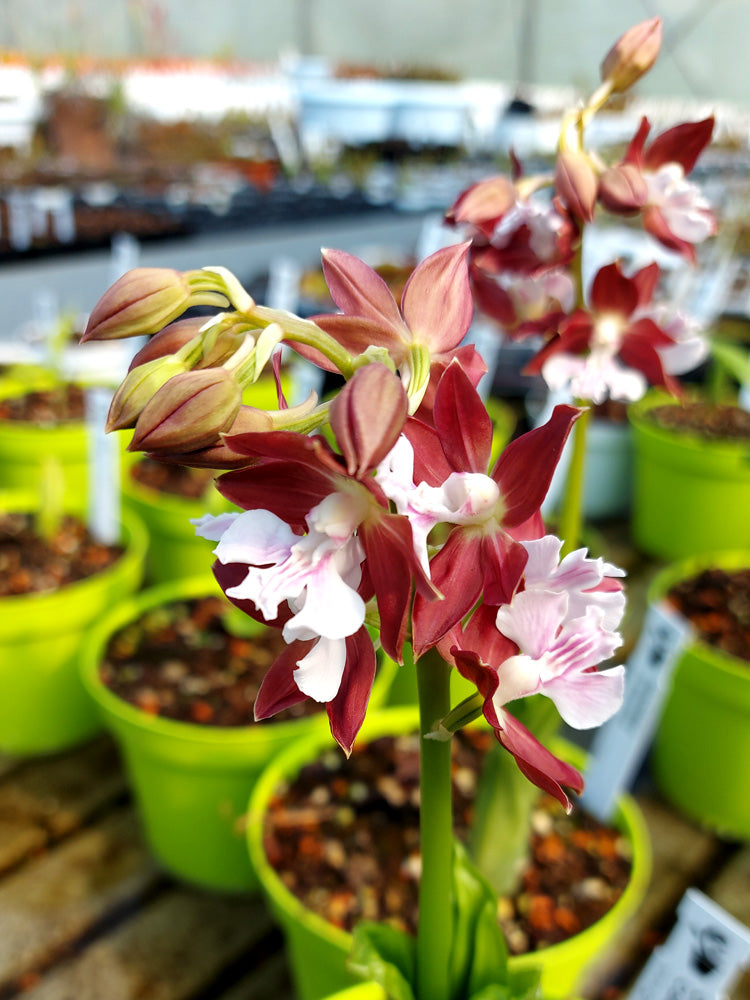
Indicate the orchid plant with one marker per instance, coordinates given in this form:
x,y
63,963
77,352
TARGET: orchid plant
x,y
615,338
375,520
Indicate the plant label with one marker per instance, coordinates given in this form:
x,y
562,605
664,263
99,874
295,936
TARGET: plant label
x,y
703,956
104,469
619,746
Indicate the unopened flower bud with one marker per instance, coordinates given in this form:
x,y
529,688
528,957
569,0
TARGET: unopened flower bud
x,y
484,201
137,388
367,416
169,340
221,346
632,55
576,183
189,412
623,189
140,302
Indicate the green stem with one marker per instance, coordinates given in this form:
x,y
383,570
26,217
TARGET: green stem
x,y
571,511
304,331
435,930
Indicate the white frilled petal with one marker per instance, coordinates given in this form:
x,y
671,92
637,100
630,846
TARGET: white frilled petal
x,y
332,608
256,537
685,208
532,620
318,675
586,700
212,527
593,377
577,575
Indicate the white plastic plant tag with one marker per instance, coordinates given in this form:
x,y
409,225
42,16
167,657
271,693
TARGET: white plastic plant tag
x,y
702,957
104,470
619,746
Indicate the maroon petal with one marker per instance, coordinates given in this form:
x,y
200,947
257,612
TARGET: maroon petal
x,y
358,290
461,420
534,760
288,489
611,291
525,467
456,571
430,464
634,152
278,689
646,281
681,144
640,352
492,299
482,639
346,712
437,302
392,566
503,562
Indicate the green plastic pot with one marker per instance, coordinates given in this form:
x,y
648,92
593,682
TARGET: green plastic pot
x,y
25,448
191,782
690,495
44,707
174,549
317,950
701,753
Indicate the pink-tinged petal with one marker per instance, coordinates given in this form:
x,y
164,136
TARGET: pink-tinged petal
x,y
461,420
437,302
356,334
681,144
525,467
483,202
655,223
532,621
288,489
540,766
611,291
634,152
230,576
278,689
392,565
457,572
430,464
587,699
256,537
358,290
346,712
504,560
367,417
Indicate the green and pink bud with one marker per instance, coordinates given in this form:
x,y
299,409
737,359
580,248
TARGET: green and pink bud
x,y
137,389
623,189
576,183
146,299
189,412
632,55
367,416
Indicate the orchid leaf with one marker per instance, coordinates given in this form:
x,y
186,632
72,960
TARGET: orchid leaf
x,y
479,959
733,359
384,955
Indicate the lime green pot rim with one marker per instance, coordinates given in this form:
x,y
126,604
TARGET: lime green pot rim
x,y
52,611
733,451
229,737
398,720
729,671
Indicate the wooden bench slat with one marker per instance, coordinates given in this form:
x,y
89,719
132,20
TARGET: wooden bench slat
x,y
44,800
170,950
49,903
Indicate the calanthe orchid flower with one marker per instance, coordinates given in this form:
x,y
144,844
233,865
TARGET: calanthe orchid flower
x,y
421,336
613,348
314,542
547,640
673,209
448,481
